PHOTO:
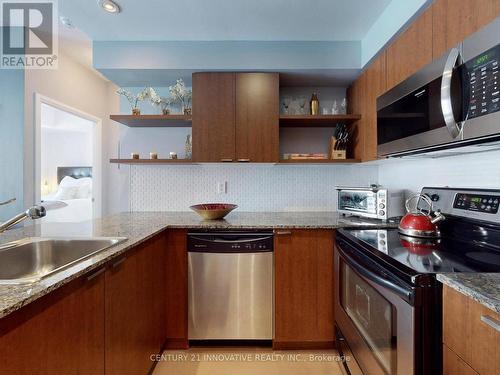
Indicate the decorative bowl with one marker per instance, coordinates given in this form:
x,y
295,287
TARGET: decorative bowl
x,y
213,211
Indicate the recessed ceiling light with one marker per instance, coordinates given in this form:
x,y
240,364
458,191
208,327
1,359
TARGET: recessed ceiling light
x,y
109,6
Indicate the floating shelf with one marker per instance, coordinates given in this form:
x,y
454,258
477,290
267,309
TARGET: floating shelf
x,y
293,121
153,121
319,161
151,161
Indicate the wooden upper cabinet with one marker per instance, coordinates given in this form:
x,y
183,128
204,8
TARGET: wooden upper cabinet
x,y
235,117
454,20
303,289
257,117
411,51
356,103
467,333
62,333
375,85
213,117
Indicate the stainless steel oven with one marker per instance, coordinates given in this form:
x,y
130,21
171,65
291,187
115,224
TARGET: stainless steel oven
x,y
452,102
376,316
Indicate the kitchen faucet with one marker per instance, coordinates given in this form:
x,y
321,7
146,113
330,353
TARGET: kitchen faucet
x,y
7,201
35,212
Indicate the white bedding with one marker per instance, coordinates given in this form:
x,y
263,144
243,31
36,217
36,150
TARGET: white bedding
x,y
71,203
67,211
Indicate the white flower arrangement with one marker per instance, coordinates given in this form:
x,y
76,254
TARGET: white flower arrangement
x,y
181,94
159,101
135,99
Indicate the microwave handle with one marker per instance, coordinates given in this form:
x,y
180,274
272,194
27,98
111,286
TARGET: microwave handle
x,y
454,127
405,293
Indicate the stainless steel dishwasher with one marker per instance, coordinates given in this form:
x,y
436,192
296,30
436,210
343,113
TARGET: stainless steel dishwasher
x,y
230,285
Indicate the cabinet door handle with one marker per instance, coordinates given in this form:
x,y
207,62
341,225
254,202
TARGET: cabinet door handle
x,y
118,262
95,274
282,232
226,160
243,160
492,322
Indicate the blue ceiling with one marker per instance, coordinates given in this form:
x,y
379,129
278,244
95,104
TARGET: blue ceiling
x,y
323,42
263,20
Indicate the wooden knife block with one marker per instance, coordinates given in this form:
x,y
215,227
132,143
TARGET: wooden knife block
x,y
336,154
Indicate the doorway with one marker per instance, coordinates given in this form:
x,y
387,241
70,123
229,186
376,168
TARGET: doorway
x,y
68,165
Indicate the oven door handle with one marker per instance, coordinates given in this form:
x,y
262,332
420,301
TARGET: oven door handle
x,y
406,293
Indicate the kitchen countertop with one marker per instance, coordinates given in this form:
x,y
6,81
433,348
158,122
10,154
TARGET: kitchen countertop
x,y
481,287
140,226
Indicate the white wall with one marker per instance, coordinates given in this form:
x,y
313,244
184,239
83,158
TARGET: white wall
x,y
480,170
11,140
66,141
85,90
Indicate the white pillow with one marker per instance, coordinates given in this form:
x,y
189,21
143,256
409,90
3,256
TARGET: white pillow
x,y
68,181
66,192
72,188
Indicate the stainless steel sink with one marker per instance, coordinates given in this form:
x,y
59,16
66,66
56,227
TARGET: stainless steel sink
x,y
32,259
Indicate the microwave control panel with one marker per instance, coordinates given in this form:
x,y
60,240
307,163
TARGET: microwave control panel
x,y
484,78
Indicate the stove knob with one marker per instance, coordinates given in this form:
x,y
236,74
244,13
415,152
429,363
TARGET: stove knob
x,y
434,197
381,213
381,206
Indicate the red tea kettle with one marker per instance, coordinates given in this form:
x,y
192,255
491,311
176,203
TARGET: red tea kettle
x,y
419,223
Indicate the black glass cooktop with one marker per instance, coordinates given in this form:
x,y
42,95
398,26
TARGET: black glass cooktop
x,y
431,256
474,249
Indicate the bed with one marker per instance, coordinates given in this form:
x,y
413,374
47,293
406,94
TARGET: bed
x,y
72,202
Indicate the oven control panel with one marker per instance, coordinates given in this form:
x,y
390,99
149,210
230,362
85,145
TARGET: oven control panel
x,y
476,202
484,83
468,203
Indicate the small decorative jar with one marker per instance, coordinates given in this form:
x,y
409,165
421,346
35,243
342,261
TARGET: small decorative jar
x,y
188,110
153,155
134,155
173,155
136,111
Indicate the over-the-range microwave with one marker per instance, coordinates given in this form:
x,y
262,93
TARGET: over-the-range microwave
x,y
452,102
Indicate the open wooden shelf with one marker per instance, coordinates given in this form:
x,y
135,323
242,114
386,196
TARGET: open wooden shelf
x,y
153,121
319,161
151,161
316,120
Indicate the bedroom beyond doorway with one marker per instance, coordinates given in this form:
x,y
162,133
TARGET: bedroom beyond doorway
x,y
67,156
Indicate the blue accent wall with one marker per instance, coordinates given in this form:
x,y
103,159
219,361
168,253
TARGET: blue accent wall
x,y
11,140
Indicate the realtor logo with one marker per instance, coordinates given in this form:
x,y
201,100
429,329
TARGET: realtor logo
x,y
29,34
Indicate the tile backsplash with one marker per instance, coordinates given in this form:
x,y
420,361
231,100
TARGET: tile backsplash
x,y
265,187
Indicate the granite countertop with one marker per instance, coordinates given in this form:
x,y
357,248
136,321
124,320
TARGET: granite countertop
x,y
140,226
481,287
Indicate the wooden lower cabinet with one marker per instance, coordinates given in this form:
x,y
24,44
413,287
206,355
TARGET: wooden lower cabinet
x,y
62,333
454,365
467,335
176,279
303,289
135,309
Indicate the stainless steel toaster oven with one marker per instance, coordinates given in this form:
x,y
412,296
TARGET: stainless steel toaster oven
x,y
371,202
